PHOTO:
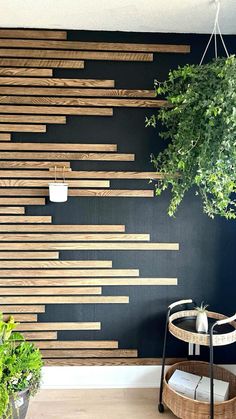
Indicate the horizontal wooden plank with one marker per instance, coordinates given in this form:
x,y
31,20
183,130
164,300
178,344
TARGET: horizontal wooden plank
x,y
32,34
109,361
23,127
57,110
75,101
135,193
77,344
54,82
19,71
63,91
89,246
32,282
33,62
64,300
23,309
55,291
33,164
36,183
22,201
11,210
22,317
60,228
14,273
5,137
67,156
55,146
56,264
97,46
74,237
33,219
84,174
46,119
28,255
59,326
40,335
89,353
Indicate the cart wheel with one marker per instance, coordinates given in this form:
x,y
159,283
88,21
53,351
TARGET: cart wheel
x,y
161,408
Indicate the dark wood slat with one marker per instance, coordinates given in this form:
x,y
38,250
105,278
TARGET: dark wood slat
x,y
63,300
11,210
23,309
89,246
33,165
18,72
44,282
56,146
23,128
5,137
109,361
89,353
77,344
40,219
45,237
33,62
28,255
46,119
33,34
56,110
66,156
42,273
22,201
54,82
60,228
129,193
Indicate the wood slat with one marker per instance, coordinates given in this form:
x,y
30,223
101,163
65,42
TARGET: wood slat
x,y
73,228
28,255
63,91
79,101
54,82
57,264
5,137
32,34
18,183
23,127
135,193
22,317
14,273
67,156
23,309
109,361
57,110
39,335
59,326
74,237
64,300
84,174
77,344
47,119
22,201
12,210
31,62
87,281
89,353
33,165
97,46
55,146
33,219
89,246
51,291
33,72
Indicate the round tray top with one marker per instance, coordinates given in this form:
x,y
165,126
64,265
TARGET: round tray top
x,y
182,326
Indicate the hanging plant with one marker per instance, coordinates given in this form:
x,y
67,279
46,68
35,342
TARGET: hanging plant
x,y
200,122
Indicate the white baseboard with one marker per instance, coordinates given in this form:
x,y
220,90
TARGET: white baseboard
x,y
104,377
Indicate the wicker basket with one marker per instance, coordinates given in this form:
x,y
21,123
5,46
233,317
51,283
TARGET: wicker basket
x,y
186,408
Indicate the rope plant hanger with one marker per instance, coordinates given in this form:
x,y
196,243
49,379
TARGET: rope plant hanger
x,y
199,121
58,191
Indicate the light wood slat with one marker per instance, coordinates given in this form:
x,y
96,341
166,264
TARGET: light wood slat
x,y
41,273
33,164
63,91
67,156
23,309
22,201
33,219
11,210
18,72
33,34
109,361
57,110
31,62
67,56
28,255
135,193
74,228
84,174
5,137
87,281
40,335
56,146
23,127
64,300
56,264
59,326
77,344
97,46
51,291
47,119
89,246
22,317
74,237
18,183
89,353
75,101
54,82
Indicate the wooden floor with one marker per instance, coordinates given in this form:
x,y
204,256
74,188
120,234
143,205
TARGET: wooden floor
x,y
96,404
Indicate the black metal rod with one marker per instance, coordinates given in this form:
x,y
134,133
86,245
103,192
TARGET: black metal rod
x,y
164,356
211,373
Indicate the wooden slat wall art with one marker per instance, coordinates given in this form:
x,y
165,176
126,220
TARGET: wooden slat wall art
x,y
32,273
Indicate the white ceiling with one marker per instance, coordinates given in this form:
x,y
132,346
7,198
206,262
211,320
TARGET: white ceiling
x,y
190,16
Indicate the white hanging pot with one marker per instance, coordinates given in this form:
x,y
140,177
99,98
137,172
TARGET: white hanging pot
x,y
58,192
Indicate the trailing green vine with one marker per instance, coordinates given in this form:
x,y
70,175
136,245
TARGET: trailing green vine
x,y
200,123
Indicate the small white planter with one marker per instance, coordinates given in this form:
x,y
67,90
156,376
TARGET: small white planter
x,y
58,192
202,322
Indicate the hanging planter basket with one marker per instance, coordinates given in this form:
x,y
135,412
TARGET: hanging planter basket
x,y
58,191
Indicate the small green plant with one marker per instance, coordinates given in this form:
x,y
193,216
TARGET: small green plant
x,y
199,121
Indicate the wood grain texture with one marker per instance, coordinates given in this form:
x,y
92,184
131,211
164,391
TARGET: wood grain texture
x,y
59,326
32,62
64,300
14,273
54,82
110,361
33,164
23,309
32,34
22,127
55,146
96,46
87,281
28,255
74,237
19,183
22,317
39,335
89,246
67,156
135,193
46,119
84,174
31,72
56,264
57,110
5,137
77,344
22,201
60,228
32,219
51,291
12,210
89,353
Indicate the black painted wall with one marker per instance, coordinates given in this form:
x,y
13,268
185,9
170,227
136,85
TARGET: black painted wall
x,y
205,264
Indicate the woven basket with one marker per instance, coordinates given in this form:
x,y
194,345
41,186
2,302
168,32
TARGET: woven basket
x,y
186,408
